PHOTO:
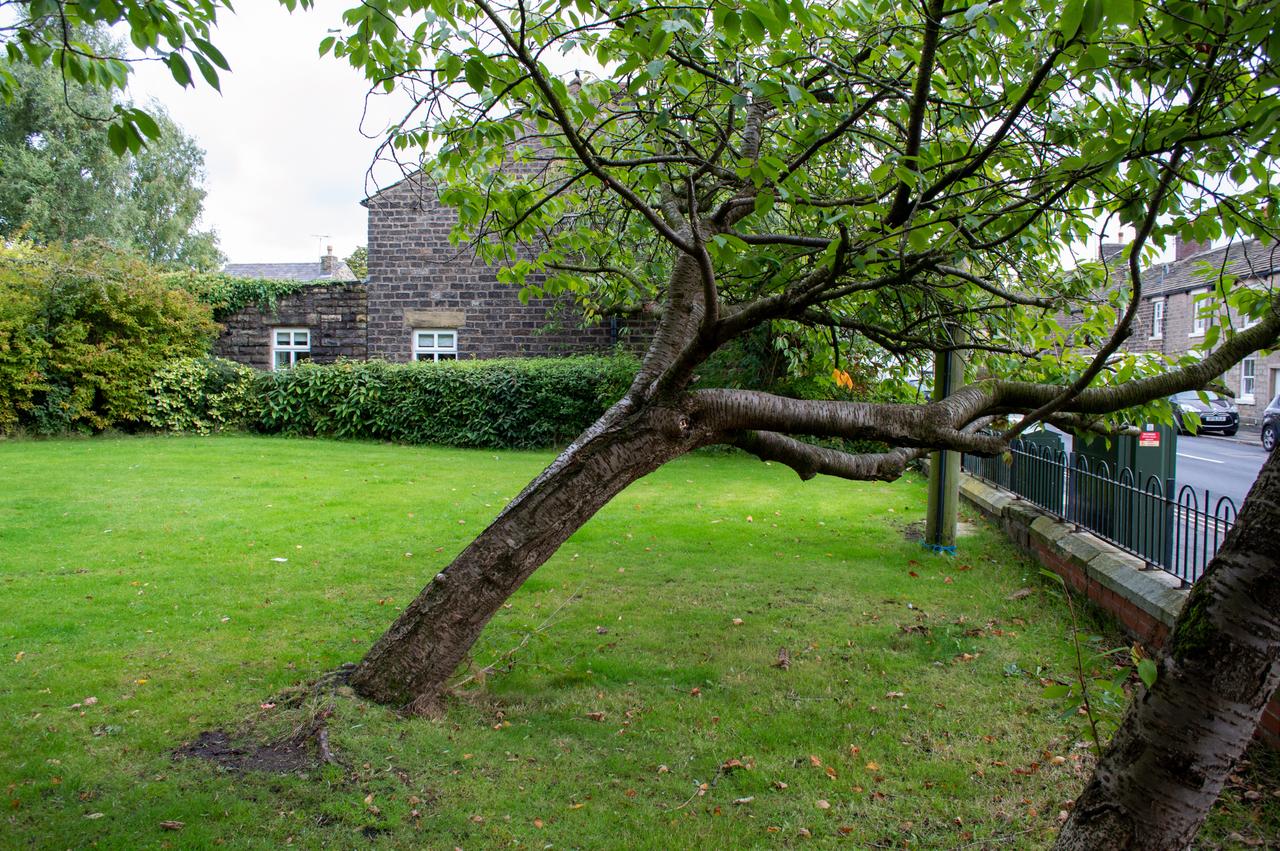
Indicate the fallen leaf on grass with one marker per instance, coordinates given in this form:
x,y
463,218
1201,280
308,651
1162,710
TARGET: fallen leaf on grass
x,y
784,659
94,815
537,823
731,765
814,761
18,656
737,621
173,825
745,800
595,716
1020,594
824,804
873,766
779,785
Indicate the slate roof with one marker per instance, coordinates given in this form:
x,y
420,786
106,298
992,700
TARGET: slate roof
x,y
290,271
1250,259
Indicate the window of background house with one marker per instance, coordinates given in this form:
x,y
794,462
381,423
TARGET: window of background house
x,y
1199,322
1157,319
1248,378
288,346
435,344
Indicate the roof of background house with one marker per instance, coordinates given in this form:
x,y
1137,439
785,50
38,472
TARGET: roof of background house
x,y
1250,259
293,271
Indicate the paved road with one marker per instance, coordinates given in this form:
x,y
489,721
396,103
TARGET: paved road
x,y
1223,467
1220,465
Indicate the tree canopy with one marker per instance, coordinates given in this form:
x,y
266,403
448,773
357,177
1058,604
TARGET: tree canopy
x,y
60,180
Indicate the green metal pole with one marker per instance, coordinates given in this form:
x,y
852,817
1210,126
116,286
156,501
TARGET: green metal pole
x,y
944,466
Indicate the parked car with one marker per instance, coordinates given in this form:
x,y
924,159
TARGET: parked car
x,y
1271,424
1216,414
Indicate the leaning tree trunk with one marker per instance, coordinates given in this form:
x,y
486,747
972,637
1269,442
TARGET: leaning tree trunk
x,y
410,663
1169,759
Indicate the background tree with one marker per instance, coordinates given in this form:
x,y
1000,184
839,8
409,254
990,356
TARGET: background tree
x,y
60,179
51,34
880,169
358,262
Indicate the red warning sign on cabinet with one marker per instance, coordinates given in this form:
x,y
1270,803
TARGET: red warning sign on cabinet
x,y
1149,438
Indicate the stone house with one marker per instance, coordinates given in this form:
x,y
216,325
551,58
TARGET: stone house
x,y
323,322
1168,321
424,299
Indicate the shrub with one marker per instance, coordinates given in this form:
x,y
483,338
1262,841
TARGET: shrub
x,y
513,403
228,294
202,395
82,330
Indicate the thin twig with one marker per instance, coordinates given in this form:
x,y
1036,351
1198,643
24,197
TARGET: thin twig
x,y
524,642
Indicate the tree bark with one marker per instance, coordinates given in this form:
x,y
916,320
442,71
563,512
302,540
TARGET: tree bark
x,y
410,664
1167,763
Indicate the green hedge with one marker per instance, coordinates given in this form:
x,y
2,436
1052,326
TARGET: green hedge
x,y
203,395
82,330
520,403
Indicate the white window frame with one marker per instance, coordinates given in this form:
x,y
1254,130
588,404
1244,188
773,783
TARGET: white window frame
x,y
1199,324
1249,379
293,347
434,344
1157,318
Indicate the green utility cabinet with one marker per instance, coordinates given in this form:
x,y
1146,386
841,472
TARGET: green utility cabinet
x,y
1125,490
1040,471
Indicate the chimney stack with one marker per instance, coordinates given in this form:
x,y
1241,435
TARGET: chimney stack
x,y
1185,248
329,262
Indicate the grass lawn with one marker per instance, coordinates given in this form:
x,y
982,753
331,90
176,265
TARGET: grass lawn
x,y
146,597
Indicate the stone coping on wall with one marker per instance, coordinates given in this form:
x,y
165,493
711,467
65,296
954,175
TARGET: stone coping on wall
x,y
1144,600
1153,591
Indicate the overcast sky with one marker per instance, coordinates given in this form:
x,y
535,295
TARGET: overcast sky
x,y
286,160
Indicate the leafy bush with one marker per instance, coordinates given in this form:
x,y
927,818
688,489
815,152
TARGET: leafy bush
x,y
228,294
82,330
203,395
515,403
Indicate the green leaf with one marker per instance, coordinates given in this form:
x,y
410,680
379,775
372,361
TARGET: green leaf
x,y
146,123
1072,15
117,139
764,202
179,68
1147,672
476,73
207,71
1055,692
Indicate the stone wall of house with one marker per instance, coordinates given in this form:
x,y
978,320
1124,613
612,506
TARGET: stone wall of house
x,y
336,315
1176,339
418,279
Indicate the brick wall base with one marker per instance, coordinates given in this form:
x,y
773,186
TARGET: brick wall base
x,y
1144,602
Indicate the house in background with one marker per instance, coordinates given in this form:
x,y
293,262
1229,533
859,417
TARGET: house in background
x,y
1168,321
425,299
322,322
